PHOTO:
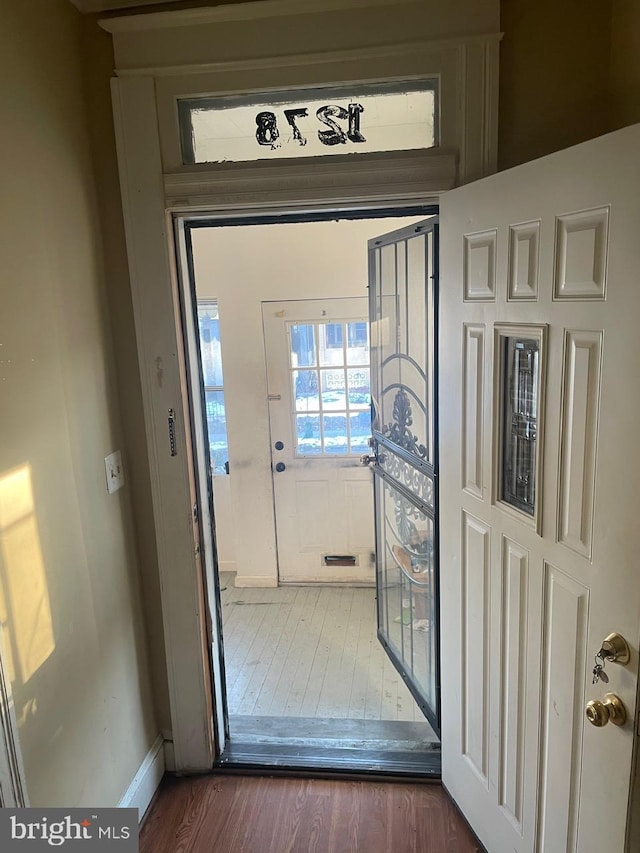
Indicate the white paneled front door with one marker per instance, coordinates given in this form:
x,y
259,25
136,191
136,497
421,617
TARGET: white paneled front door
x,y
539,367
318,379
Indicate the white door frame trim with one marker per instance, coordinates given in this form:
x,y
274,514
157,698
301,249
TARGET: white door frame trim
x,y
298,60
153,200
251,11
154,284
153,289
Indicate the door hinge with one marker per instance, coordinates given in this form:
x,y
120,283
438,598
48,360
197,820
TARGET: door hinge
x,y
171,423
208,618
195,513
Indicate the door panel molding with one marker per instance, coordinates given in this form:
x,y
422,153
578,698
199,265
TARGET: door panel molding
x,y
584,232
566,607
475,604
473,410
524,260
582,374
513,678
480,266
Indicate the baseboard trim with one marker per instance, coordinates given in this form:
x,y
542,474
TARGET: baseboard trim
x,y
145,783
245,581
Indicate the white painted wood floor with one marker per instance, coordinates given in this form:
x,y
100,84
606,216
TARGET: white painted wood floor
x,y
308,652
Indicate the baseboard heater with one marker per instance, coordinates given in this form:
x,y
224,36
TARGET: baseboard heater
x,y
340,560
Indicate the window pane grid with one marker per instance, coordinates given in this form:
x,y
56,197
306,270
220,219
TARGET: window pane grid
x,y
331,398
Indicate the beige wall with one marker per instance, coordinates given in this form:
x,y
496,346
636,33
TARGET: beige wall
x,y
69,583
554,76
69,568
624,77
569,72
241,268
551,95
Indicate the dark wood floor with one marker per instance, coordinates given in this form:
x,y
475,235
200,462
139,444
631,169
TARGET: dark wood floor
x,y
228,814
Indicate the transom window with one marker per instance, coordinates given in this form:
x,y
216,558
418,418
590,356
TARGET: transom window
x,y
346,120
331,391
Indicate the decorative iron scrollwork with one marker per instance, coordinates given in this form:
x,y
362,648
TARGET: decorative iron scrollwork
x,y
404,472
398,430
414,532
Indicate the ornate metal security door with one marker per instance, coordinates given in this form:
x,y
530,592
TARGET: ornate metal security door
x,y
403,301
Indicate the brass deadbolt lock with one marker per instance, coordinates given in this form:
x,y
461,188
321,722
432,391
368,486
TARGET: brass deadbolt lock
x,y
610,709
616,649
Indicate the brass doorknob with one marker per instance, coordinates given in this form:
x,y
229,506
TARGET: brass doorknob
x,y
610,709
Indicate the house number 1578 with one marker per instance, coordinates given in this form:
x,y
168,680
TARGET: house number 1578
x,y
267,132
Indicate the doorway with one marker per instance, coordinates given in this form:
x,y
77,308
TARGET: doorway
x,y
319,393
322,651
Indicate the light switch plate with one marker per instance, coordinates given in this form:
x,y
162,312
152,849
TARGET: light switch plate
x,y
114,471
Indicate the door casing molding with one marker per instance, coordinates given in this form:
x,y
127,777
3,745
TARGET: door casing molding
x,y
155,291
153,196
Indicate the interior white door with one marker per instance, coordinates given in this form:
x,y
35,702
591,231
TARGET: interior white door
x,y
538,561
318,380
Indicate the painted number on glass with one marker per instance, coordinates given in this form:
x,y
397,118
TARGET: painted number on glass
x,y
332,117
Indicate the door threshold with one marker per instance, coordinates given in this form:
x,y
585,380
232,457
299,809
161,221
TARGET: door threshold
x,y
259,756
322,582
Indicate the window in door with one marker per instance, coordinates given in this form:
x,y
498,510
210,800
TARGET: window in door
x,y
329,366
210,351
520,351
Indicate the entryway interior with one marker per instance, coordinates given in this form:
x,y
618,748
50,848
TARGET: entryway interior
x,y
307,680
305,669
256,815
